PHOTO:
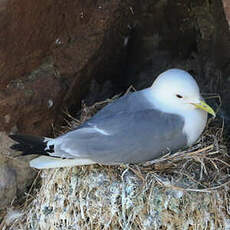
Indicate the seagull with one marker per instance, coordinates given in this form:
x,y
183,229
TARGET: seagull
x,y
137,127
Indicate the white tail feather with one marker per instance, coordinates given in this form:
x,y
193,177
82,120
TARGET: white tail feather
x,y
46,162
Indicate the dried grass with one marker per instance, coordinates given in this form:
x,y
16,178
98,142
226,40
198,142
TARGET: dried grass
x,y
185,190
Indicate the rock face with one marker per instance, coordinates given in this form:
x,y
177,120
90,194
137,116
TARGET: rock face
x,y
54,54
49,51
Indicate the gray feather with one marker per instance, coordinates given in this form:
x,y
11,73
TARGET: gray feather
x,y
129,130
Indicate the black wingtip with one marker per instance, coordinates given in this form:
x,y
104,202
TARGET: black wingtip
x,y
28,144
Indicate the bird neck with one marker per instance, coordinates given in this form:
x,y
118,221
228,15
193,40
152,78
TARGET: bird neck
x,y
194,119
195,122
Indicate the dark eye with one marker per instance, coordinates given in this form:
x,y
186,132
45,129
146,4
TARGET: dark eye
x,y
179,96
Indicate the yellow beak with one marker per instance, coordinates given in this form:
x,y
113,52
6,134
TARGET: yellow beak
x,y
202,105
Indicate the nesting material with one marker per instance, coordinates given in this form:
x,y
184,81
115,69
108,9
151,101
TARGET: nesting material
x,y
184,190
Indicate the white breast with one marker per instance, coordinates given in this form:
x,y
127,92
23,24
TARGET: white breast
x,y
195,122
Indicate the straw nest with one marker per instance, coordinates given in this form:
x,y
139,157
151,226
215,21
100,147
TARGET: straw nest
x,y
183,190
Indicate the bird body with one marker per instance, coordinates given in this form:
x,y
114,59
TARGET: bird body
x,y
137,127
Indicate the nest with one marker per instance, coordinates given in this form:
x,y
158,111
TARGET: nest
x,y
184,190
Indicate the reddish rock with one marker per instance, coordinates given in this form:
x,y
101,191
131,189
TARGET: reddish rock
x,y
49,51
72,34
29,104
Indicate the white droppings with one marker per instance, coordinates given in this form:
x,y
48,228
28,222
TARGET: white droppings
x,y
50,103
179,194
126,40
129,27
227,224
131,10
12,215
58,41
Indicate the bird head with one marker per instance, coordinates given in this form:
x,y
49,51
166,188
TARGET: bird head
x,y
176,90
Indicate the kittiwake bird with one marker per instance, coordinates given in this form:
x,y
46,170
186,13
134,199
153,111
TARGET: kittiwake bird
x,y
137,127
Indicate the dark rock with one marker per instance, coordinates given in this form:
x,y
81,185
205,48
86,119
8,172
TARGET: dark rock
x,y
226,6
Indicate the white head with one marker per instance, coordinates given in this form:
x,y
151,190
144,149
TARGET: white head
x,y
176,91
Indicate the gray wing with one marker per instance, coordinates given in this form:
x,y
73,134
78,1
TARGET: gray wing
x,y
127,135
129,103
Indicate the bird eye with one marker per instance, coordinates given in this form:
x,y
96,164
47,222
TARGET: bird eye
x,y
179,96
